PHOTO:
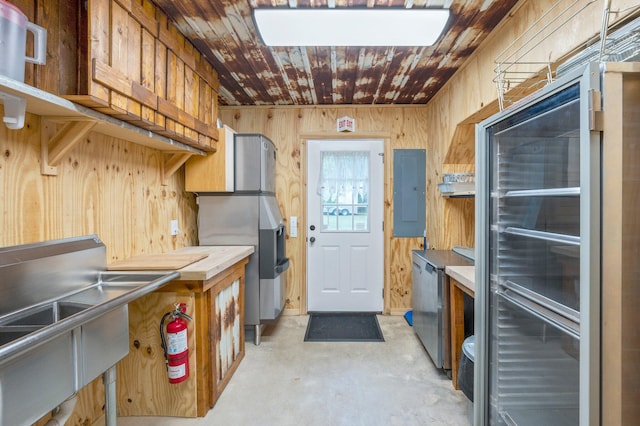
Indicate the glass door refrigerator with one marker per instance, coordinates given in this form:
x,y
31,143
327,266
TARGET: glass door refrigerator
x,y
538,258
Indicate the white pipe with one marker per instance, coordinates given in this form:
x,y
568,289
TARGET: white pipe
x,y
63,412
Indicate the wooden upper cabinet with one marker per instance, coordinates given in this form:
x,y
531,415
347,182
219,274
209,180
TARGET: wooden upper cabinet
x,y
215,172
125,58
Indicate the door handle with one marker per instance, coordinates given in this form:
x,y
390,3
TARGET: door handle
x,y
312,239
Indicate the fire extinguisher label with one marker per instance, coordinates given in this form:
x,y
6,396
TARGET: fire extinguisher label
x,y
176,371
176,342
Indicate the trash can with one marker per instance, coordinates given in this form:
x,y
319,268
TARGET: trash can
x,y
465,372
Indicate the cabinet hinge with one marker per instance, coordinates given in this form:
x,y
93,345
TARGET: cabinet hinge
x,y
595,111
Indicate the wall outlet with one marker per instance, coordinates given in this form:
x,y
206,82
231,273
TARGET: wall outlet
x,y
174,227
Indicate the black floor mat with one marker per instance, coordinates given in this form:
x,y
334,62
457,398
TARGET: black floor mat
x,y
343,327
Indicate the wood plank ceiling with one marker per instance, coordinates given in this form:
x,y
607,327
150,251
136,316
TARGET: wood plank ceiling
x,y
254,74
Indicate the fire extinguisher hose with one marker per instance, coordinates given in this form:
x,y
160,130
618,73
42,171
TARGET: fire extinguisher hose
x,y
163,339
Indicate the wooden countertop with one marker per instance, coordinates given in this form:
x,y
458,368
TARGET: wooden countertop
x,y
219,258
465,275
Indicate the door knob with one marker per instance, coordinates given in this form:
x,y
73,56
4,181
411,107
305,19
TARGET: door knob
x,y
312,239
312,227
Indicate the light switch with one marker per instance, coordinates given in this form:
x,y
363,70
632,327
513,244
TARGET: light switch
x,y
293,227
174,227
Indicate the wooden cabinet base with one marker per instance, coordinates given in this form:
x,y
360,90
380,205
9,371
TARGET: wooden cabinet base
x,y
216,347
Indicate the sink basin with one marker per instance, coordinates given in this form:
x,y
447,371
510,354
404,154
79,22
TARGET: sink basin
x,y
30,320
45,314
113,285
64,324
111,290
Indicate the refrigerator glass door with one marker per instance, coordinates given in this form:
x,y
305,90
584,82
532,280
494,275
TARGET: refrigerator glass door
x,y
535,187
534,263
536,363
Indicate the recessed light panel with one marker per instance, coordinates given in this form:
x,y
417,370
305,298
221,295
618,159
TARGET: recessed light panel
x,y
350,27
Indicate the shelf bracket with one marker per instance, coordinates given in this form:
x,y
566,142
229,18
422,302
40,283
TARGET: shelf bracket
x,y
14,110
173,164
55,144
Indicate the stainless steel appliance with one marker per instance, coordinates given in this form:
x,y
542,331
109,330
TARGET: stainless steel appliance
x,y
251,216
538,268
63,323
430,300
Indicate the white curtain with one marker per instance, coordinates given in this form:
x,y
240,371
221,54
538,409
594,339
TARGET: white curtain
x,y
343,174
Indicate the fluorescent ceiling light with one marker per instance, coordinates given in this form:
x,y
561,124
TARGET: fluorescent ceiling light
x,y
350,27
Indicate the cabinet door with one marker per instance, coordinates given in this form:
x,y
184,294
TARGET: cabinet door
x,y
215,172
226,327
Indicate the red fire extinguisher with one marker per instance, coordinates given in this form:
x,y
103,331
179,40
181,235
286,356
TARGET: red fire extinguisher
x,y
174,344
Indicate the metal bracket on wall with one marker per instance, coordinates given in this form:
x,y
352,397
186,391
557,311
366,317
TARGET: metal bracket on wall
x,y
54,143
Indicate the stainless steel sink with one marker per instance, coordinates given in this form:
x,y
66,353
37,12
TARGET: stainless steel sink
x,y
44,315
23,323
61,328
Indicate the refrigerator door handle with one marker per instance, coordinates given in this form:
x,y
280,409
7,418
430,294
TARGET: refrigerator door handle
x,y
429,268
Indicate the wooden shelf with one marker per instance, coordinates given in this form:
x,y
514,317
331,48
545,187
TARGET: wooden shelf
x,y
79,120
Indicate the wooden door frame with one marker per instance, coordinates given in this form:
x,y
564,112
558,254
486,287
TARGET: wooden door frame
x,y
386,214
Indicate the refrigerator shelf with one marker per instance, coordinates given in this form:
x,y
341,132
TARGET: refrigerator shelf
x,y
563,310
549,317
537,416
541,235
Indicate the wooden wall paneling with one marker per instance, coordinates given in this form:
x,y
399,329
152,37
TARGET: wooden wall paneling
x,y
289,127
121,34
62,43
191,90
148,71
399,279
134,68
175,80
105,186
206,112
23,192
298,305
161,82
458,217
100,29
62,46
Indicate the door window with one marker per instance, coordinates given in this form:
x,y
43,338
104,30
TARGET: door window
x,y
344,187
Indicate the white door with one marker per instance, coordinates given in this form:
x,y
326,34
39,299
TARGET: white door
x,y
345,269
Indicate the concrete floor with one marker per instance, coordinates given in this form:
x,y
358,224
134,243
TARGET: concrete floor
x,y
286,381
